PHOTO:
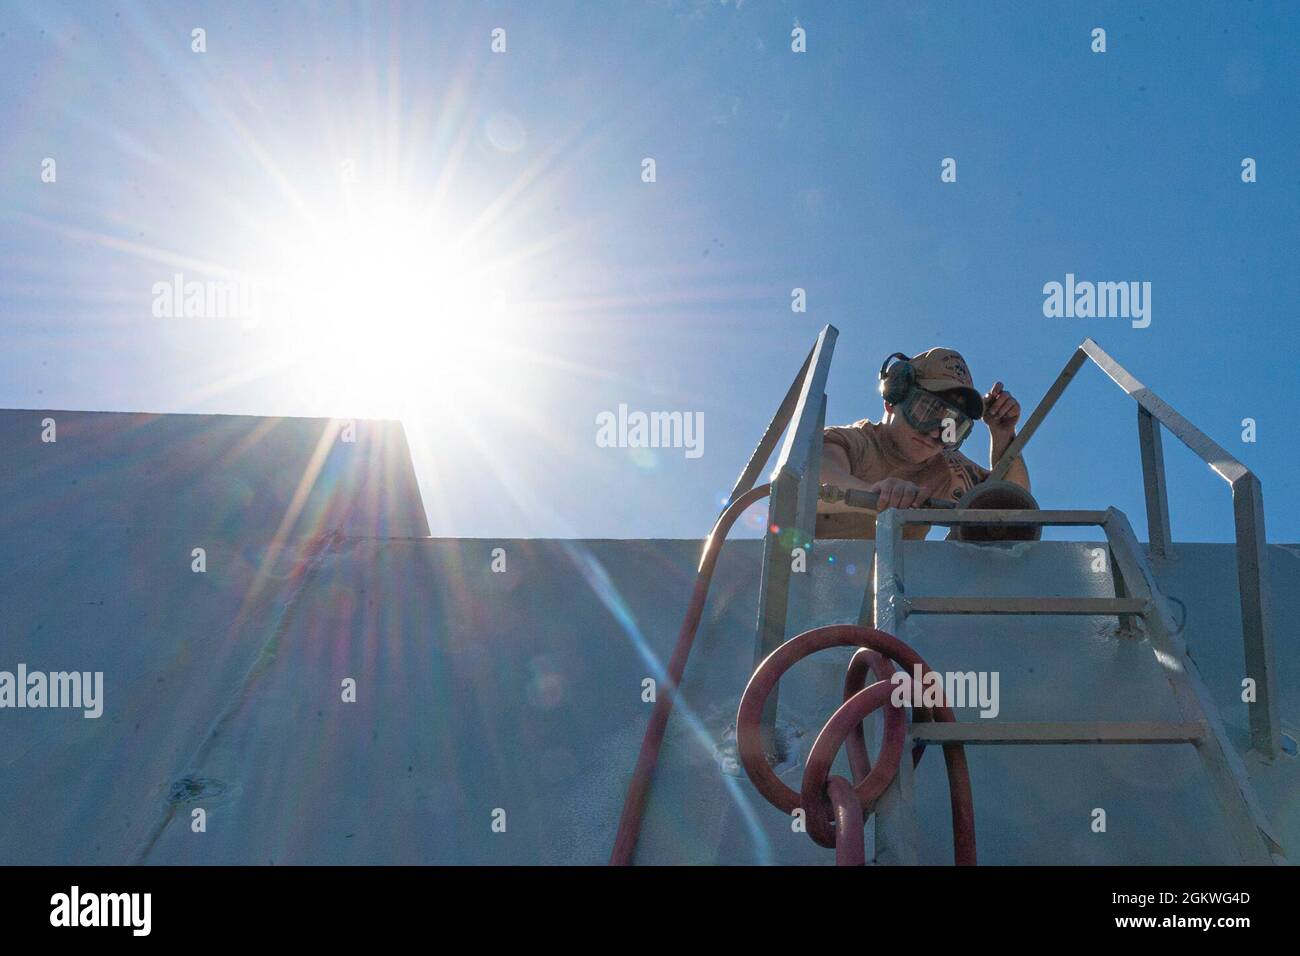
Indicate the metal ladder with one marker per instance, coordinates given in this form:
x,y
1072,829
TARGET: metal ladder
x,y
1137,596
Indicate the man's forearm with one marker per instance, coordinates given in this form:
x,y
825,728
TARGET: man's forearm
x,y
1017,473
836,472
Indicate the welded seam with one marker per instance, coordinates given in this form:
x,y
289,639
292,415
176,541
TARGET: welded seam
x,y
259,666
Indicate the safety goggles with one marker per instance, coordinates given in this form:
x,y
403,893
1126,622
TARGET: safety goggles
x,y
926,412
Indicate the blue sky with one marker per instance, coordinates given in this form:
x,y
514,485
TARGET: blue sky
x,y
775,170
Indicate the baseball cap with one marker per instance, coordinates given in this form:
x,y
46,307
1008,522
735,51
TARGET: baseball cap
x,y
944,370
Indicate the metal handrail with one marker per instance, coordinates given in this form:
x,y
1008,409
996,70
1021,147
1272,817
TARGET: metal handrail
x,y
792,507
1248,515
798,468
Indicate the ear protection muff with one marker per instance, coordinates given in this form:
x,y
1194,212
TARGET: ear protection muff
x,y
897,380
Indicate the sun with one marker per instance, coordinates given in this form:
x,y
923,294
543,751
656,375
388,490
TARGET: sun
x,y
383,309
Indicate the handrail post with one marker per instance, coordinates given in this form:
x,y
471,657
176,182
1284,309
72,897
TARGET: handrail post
x,y
1159,540
774,587
1252,569
792,512
896,829
1248,516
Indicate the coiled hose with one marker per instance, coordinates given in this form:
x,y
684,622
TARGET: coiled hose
x,y
835,807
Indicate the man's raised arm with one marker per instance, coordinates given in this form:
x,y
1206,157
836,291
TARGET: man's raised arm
x,y
1001,412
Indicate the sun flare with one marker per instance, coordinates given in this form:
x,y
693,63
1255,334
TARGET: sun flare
x,y
380,308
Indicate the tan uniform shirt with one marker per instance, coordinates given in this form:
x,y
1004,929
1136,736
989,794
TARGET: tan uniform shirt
x,y
950,474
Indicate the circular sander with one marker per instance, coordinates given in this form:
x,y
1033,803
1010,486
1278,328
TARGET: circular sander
x,y
997,496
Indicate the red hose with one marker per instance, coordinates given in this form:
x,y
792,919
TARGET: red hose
x,y
850,844
819,813
629,824
833,803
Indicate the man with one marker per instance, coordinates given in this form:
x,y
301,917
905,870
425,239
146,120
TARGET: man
x,y
931,404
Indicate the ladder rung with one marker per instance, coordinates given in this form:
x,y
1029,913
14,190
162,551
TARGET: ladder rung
x,y
1086,732
945,517
1025,605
